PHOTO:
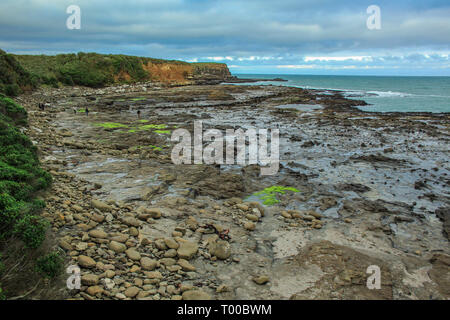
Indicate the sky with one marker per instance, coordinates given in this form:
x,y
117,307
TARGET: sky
x,y
250,36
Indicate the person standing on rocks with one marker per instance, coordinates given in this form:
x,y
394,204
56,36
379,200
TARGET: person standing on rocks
x,y
86,111
139,114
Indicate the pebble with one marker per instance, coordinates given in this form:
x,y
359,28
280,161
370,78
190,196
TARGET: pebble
x,y
89,279
249,226
130,221
86,262
171,243
153,275
117,247
167,261
187,250
101,205
261,280
132,292
242,206
286,215
195,295
133,254
171,253
120,296
148,264
185,265
221,249
98,233
160,244
134,232
94,290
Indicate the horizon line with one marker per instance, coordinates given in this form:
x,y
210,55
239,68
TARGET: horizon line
x,y
341,75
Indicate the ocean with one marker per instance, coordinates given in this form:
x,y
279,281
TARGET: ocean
x,y
385,94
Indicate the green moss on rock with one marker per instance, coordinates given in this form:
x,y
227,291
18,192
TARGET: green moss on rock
x,y
269,195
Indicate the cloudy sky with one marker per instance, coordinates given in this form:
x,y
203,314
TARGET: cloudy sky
x,y
251,36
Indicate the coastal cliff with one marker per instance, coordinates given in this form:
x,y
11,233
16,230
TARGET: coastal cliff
x,y
98,70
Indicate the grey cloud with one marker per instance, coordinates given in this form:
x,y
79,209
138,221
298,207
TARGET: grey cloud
x,y
204,28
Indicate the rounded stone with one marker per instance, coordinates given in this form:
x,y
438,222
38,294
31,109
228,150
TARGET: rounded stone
x,y
86,262
148,264
187,250
117,247
195,295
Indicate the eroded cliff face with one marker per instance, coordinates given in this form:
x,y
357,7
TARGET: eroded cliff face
x,y
176,73
184,74
211,73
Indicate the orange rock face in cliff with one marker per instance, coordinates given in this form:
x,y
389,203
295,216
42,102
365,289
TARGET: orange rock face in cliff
x,y
168,72
181,73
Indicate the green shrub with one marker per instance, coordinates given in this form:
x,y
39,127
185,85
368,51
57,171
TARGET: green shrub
x,y
13,77
20,178
31,229
50,265
2,267
36,206
10,111
12,90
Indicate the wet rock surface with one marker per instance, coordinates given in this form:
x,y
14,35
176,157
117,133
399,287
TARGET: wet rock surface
x,y
372,190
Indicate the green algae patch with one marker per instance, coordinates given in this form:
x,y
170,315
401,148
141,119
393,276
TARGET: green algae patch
x,y
147,127
269,195
138,99
111,125
152,126
158,128
163,131
154,148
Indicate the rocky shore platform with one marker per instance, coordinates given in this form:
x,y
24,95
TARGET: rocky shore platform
x,y
355,189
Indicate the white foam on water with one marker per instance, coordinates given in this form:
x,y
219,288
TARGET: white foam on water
x,y
384,94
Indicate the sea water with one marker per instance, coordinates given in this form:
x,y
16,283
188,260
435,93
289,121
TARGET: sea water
x,y
383,93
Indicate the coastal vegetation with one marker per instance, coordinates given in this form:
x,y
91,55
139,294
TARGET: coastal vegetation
x,y
14,79
49,265
86,69
21,178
